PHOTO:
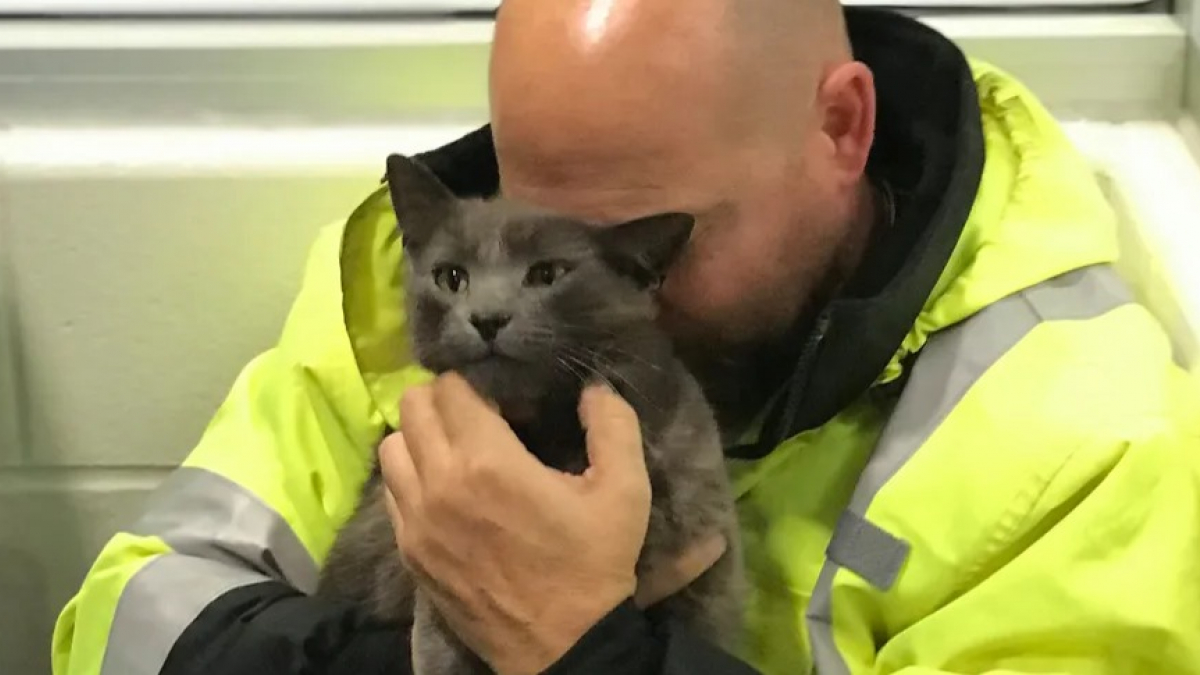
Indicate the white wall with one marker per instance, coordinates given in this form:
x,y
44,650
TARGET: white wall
x,y
1153,181
1188,12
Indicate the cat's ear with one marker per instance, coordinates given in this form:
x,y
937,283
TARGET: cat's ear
x,y
648,246
419,199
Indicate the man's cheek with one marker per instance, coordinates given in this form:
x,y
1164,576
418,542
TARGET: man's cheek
x,y
691,303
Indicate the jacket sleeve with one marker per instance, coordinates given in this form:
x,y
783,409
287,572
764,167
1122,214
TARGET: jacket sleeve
x,y
270,627
215,576
627,642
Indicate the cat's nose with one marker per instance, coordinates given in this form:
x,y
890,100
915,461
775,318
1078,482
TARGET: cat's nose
x,y
489,325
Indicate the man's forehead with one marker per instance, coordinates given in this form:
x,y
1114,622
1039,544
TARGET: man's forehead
x,y
609,199
609,187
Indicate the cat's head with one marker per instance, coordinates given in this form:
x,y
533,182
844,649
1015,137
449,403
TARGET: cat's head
x,y
497,289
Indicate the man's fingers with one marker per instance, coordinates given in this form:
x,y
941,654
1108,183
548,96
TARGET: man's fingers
x,y
422,430
614,437
402,486
667,577
462,410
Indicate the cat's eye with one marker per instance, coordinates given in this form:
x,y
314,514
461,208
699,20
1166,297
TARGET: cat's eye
x,y
451,278
546,273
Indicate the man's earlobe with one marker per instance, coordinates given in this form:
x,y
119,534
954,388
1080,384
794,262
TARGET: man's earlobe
x,y
647,247
419,200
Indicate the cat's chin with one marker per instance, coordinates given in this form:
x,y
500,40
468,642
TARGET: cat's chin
x,y
488,373
514,386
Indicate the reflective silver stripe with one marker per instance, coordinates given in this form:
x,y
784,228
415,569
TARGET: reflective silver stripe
x,y
867,550
205,515
950,363
158,603
222,537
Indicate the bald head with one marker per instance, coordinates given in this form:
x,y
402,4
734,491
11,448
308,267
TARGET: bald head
x,y
748,114
651,76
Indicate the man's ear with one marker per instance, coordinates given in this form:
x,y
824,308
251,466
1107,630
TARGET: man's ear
x,y
419,199
648,246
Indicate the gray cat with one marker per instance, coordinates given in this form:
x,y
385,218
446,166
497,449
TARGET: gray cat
x,y
529,306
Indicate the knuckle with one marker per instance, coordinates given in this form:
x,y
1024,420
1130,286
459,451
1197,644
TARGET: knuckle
x,y
437,496
479,468
414,400
445,489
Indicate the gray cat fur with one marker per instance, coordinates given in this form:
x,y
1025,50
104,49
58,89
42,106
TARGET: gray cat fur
x,y
595,323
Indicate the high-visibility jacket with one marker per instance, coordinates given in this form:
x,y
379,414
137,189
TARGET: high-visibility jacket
x,y
985,462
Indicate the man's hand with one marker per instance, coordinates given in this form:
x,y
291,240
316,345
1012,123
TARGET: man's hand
x,y
520,559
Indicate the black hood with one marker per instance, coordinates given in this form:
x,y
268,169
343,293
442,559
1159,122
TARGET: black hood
x,y
928,148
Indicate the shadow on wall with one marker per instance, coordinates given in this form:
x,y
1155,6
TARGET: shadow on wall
x,y
28,582
43,549
24,586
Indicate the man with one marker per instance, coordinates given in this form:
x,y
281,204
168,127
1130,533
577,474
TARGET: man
x,y
957,445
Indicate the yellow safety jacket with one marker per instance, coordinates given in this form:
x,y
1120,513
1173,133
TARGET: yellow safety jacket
x,y
1017,489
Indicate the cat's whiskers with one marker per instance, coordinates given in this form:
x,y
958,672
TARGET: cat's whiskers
x,y
582,369
575,331
626,354
611,339
571,368
543,336
604,368
598,376
582,360
612,352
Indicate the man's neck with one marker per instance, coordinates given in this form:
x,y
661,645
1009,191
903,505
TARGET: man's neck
x,y
872,211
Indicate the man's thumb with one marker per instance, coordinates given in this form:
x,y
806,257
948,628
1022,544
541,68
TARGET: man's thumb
x,y
614,436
